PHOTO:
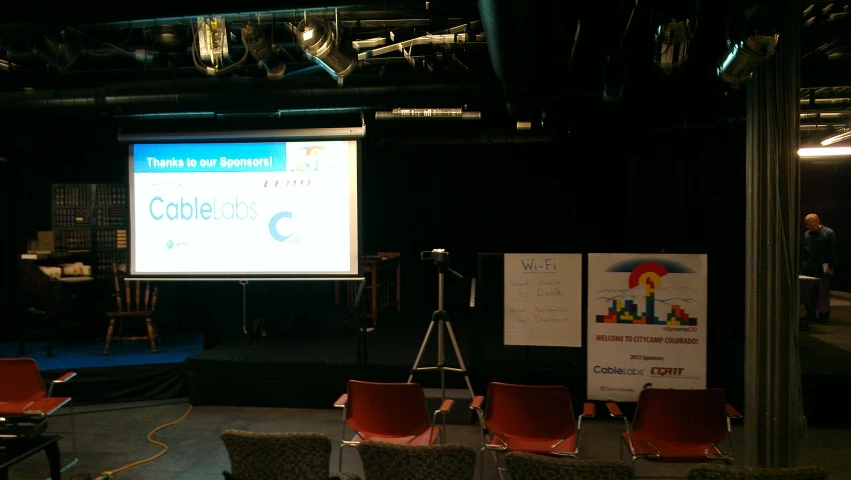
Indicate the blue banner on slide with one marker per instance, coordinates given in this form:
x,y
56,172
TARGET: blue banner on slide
x,y
210,157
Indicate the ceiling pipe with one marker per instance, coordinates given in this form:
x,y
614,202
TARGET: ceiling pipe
x,y
234,94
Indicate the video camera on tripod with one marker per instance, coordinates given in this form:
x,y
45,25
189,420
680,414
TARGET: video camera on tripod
x,y
439,255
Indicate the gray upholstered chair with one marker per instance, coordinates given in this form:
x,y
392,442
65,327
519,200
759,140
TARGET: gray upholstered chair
x,y
279,456
727,472
394,461
533,466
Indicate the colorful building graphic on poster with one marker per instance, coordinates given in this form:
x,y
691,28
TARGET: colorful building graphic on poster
x,y
649,275
646,324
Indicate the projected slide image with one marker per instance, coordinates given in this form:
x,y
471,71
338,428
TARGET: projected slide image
x,y
265,208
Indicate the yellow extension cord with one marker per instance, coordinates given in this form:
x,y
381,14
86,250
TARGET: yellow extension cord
x,y
109,474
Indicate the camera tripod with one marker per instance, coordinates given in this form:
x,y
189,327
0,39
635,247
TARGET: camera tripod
x,y
441,319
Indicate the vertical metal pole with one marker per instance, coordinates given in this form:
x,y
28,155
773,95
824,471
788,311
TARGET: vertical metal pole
x,y
440,353
440,326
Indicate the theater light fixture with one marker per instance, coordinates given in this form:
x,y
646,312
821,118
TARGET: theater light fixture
x,y
672,43
212,40
261,48
319,44
844,135
744,56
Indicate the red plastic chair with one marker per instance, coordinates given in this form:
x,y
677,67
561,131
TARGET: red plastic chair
x,y
530,418
678,425
390,412
22,394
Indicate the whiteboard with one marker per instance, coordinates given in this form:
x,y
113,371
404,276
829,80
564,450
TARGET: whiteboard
x,y
543,299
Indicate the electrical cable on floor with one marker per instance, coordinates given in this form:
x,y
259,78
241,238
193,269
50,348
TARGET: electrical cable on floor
x,y
109,474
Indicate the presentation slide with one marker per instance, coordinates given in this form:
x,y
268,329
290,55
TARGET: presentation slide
x,y
242,209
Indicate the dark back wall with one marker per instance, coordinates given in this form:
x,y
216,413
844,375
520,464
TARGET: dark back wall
x,y
826,191
631,190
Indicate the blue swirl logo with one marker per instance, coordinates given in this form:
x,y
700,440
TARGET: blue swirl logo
x,y
273,226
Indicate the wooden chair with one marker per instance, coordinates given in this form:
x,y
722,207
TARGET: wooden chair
x,y
137,300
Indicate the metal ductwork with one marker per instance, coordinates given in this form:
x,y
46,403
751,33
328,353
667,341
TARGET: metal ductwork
x,y
515,36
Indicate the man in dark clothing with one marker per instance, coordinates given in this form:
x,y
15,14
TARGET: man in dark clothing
x,y
818,254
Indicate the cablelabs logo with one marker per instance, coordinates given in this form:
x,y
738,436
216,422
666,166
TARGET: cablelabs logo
x,y
618,370
196,209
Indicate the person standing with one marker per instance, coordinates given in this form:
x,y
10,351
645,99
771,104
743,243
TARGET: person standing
x,y
818,254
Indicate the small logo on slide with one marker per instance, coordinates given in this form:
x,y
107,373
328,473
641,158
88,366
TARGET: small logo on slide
x,y
169,244
275,224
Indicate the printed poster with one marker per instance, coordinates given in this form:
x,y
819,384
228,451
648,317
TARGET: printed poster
x,y
646,323
543,299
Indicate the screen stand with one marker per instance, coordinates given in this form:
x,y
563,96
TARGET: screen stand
x,y
258,327
441,319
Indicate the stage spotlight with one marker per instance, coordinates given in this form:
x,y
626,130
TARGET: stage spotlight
x,y
213,40
319,44
672,43
744,56
261,48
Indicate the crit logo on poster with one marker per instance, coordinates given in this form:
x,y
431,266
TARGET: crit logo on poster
x,y
667,371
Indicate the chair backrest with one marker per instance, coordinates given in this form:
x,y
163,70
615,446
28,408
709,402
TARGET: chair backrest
x,y
391,461
681,415
541,411
20,380
728,472
265,456
530,466
137,296
392,409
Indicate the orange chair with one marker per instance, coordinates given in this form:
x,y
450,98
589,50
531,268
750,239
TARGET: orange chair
x,y
530,418
678,425
22,394
390,412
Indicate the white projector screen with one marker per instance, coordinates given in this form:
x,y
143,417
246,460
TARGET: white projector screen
x,y
242,209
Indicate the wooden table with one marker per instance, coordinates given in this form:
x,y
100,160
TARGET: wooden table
x,y
23,449
375,269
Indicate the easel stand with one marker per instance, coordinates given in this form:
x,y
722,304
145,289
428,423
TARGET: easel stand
x,y
441,319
